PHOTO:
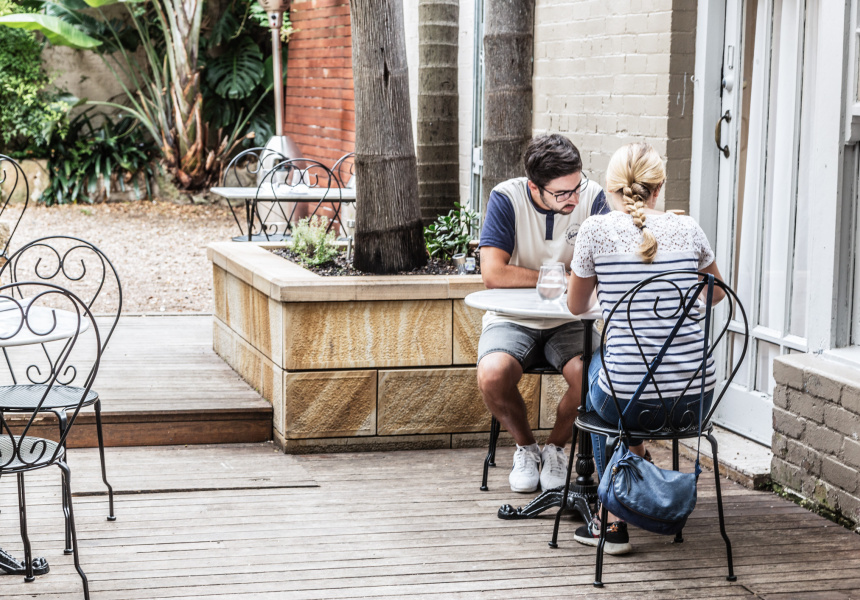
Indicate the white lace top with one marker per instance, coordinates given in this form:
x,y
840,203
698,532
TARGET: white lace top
x,y
607,247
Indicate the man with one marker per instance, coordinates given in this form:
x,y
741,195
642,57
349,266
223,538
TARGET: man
x,y
531,221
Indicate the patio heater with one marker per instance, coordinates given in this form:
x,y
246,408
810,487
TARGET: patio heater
x,y
279,144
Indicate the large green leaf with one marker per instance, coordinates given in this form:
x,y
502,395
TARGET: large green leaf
x,y
57,31
237,72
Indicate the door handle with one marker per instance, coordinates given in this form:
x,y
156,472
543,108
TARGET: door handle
x,y
718,133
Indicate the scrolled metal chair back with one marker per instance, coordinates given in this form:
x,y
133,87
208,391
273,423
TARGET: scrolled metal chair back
x,y
12,180
344,170
245,170
301,176
654,311
73,264
51,314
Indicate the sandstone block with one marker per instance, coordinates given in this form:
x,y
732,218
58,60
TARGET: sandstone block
x,y
809,406
342,335
329,404
552,388
467,332
840,475
440,401
248,314
841,420
780,396
849,506
788,423
779,445
850,399
219,292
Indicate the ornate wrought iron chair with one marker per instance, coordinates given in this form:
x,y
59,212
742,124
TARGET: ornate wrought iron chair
x,y
246,170
81,267
344,170
11,178
667,304
285,186
51,315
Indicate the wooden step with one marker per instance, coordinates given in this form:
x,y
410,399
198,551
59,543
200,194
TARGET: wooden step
x,y
161,384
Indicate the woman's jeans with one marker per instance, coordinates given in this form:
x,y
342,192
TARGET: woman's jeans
x,y
602,403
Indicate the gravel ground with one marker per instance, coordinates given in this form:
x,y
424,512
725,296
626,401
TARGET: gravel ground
x,y
158,248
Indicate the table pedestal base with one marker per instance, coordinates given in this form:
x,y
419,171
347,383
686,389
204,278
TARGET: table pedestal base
x,y
12,566
581,498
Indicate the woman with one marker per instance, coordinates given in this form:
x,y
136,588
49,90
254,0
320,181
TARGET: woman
x,y
614,252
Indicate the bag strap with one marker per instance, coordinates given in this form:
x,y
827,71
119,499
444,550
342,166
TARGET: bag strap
x,y
706,331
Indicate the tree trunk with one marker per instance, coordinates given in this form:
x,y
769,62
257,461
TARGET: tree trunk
x,y
438,103
388,232
508,58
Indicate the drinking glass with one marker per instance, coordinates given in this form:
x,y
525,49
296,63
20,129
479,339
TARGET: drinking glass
x,y
550,285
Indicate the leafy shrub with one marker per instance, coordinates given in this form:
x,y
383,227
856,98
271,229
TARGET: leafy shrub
x,y
30,112
91,159
450,234
313,245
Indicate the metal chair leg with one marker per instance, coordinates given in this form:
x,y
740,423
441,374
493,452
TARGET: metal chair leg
x,y
67,549
553,543
22,516
98,410
731,576
676,465
67,485
598,573
490,460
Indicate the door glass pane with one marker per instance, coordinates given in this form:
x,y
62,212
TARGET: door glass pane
x,y
764,367
735,348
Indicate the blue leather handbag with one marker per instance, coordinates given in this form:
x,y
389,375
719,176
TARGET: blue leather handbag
x,y
638,491
645,495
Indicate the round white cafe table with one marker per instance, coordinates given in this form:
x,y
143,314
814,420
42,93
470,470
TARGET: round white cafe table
x,y
40,325
525,302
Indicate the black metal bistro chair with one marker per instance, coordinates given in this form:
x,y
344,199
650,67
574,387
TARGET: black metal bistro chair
x,y
246,170
293,179
669,297
542,368
12,179
344,170
51,314
82,268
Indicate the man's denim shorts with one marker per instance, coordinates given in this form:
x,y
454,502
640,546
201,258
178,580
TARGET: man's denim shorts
x,y
529,346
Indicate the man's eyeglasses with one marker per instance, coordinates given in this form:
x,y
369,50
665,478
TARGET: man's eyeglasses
x,y
566,195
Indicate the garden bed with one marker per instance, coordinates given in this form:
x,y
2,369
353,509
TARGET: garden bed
x,y
358,363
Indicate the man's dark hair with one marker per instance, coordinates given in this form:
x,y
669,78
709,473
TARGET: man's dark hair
x,y
549,157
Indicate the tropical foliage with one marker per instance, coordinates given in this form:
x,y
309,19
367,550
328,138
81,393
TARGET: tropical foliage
x,y
31,112
155,53
97,155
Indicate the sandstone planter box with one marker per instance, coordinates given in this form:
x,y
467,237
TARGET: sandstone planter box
x,y
357,363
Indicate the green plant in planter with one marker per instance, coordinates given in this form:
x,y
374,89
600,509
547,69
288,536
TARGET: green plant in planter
x,y
314,246
450,234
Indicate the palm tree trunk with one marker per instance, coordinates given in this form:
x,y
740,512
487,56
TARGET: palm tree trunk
x,y
508,58
388,231
438,139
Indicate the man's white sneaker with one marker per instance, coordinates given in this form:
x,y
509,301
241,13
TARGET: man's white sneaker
x,y
525,474
554,470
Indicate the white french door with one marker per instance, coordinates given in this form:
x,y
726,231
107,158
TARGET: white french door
x,y
761,220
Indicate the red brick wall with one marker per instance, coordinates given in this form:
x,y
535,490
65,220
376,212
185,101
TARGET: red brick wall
x,y
320,109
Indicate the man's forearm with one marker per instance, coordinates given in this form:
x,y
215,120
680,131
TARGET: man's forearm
x,y
509,276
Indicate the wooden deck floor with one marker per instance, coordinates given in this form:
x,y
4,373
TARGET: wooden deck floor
x,y
161,383
248,522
